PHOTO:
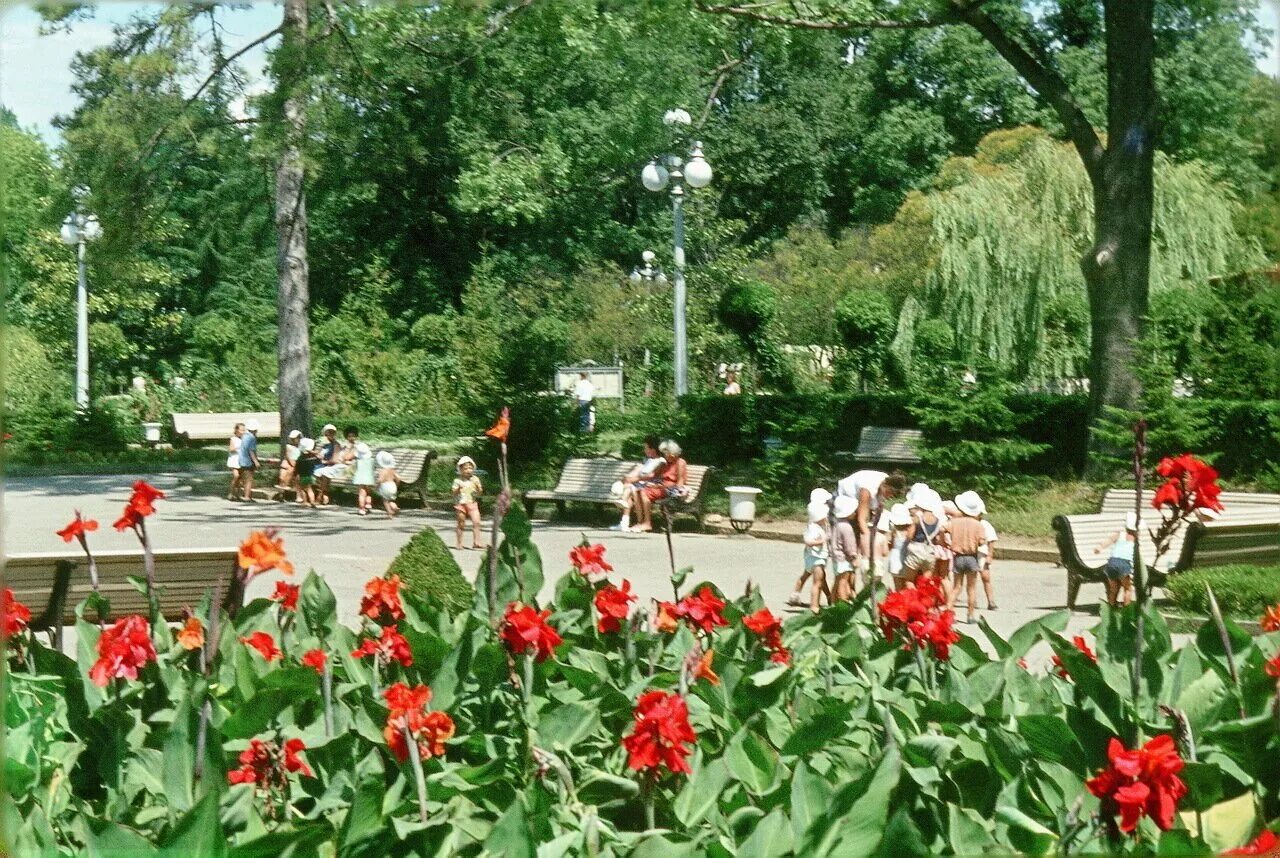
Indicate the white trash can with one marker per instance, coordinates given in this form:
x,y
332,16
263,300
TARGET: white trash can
x,y
742,507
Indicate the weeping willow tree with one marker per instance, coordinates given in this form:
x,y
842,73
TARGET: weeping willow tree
x,y
1010,225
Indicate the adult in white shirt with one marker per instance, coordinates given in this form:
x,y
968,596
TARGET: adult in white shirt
x,y
871,489
624,490
585,393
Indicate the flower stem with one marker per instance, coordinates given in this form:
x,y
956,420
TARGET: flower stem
x,y
419,779
646,794
326,686
526,685
149,565
1216,613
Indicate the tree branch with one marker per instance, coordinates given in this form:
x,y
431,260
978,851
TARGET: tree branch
x,y
499,19
721,72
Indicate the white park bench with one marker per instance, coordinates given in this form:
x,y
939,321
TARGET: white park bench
x,y
217,426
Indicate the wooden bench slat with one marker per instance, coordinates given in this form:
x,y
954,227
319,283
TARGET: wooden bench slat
x,y
889,445
214,426
591,481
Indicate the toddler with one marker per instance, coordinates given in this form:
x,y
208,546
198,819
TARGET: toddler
x,y
466,489
388,482
895,543
847,557
305,468
363,478
1119,568
817,552
817,496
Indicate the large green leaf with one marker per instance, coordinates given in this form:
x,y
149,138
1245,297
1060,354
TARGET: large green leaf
x,y
567,725
111,840
511,836
772,837
1049,738
199,832
855,823
318,605
1025,833
831,720
810,797
968,832
752,762
701,792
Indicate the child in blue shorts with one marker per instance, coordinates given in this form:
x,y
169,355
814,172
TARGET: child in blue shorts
x,y
1119,568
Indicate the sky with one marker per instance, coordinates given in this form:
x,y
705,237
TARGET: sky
x,y
35,70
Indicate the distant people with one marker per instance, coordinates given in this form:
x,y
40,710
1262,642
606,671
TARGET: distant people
x,y
341,459
845,543
895,545
388,482
923,552
624,491
327,449
986,555
870,489
288,464
817,553
669,481
466,491
585,393
364,478
308,461
966,536
731,386
796,599
1119,568
233,461
248,458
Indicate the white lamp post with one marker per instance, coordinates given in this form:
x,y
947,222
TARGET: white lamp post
x,y
78,229
657,175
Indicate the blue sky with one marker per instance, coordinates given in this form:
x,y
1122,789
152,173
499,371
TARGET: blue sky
x,y
35,70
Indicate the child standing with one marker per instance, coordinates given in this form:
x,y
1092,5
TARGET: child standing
x,y
1119,568
308,461
233,461
895,543
966,535
847,559
466,489
817,496
388,482
363,479
288,464
248,458
817,552
986,554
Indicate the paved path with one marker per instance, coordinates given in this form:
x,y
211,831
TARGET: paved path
x,y
348,549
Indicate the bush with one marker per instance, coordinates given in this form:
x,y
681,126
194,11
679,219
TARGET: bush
x,y
1241,590
417,426
428,571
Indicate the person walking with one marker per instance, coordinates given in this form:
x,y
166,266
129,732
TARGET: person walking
x,y
585,393
248,458
233,461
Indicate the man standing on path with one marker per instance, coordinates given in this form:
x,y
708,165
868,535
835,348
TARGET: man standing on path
x,y
585,392
249,458
870,489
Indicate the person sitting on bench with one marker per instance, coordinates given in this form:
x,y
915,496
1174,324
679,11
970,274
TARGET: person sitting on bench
x,y
670,479
624,490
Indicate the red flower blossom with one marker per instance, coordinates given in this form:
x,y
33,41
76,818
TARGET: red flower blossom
x,y
1273,667
666,620
769,629
612,605
129,518
1080,645
390,647
15,615
264,644
589,561
660,734
124,648
1190,484
287,595
77,528
915,616
499,430
1271,619
264,764
381,602
1265,843
262,552
407,710
144,498
702,611
315,659
1141,782
293,747
704,669
524,629
191,635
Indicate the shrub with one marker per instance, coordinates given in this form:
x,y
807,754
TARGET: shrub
x,y
428,571
1242,590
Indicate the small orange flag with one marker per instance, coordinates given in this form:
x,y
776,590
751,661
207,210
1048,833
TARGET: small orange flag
x,y
499,430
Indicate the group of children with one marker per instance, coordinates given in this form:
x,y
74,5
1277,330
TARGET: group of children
x,y
952,541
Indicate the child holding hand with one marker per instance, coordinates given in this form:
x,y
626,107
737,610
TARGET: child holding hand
x,y
465,490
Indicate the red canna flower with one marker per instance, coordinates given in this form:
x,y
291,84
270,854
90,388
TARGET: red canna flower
x,y
613,604
191,635
502,428
525,629
1190,484
665,619
589,561
315,659
407,710
124,648
1080,645
768,628
392,646
287,595
704,669
702,611
14,614
660,733
128,519
144,498
1271,619
915,616
1265,843
262,552
264,764
293,747
1273,667
77,528
264,644
1141,782
381,602
255,764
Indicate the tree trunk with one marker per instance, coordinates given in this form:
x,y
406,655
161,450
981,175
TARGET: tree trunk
x,y
293,299
1117,267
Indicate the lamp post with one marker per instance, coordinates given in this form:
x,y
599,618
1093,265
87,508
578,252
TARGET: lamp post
x,y
670,170
77,229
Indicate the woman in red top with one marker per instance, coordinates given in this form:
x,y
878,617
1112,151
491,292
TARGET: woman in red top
x,y
670,479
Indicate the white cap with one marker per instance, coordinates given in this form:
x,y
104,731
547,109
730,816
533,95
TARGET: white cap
x,y
1131,521
466,460
296,433
819,496
845,506
900,515
385,459
306,445
328,427
251,426
970,503
362,450
817,512
914,492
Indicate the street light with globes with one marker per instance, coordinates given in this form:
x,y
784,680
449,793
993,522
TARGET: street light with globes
x,y
78,229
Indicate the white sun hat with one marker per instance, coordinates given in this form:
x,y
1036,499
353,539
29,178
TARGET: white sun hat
x,y
466,460
385,459
845,506
817,512
970,503
915,492
819,496
363,450
900,515
296,433
328,427
306,445
251,425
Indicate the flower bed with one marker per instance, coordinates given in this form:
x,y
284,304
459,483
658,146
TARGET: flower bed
x,y
597,724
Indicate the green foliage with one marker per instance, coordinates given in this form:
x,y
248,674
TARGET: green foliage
x,y
1242,591
428,572
747,308
866,324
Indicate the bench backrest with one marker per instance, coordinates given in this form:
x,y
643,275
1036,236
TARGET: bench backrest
x,y
1221,543
591,476
218,425
1251,531
697,476
183,574
1121,500
881,444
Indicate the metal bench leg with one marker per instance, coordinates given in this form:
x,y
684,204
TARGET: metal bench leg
x,y
1073,590
560,509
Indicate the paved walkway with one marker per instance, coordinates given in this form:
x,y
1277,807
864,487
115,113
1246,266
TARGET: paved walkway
x,y
348,549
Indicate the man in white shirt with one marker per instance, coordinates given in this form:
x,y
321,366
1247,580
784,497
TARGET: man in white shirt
x,y
870,489
585,392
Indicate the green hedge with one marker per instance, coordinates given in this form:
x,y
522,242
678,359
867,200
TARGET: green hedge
x,y
1245,591
428,570
417,426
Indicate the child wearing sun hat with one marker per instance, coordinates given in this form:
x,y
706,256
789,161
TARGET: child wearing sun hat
x,y
364,478
817,552
466,490
966,535
848,559
388,482
818,497
1119,568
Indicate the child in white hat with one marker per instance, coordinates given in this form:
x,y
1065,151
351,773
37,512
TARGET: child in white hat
x,y
895,541
305,468
966,536
364,478
848,560
817,553
388,482
465,490
817,498
1119,568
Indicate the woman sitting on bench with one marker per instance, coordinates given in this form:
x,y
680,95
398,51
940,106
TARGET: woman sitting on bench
x,y
671,477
